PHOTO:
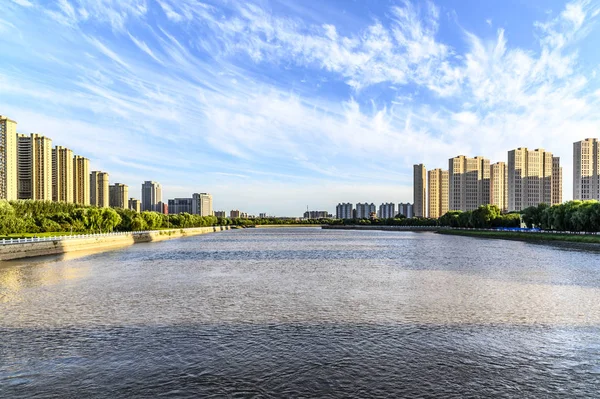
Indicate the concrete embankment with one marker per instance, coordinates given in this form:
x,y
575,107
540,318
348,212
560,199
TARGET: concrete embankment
x,y
105,242
383,228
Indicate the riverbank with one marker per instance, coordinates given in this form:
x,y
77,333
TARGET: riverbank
x,y
102,242
383,228
275,226
517,236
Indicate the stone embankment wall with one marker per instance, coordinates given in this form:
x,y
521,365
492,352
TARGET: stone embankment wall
x,y
96,242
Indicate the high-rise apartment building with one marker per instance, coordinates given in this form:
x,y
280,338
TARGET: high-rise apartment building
x,y
344,211
387,210
62,174
529,178
118,195
405,209
468,183
316,215
221,214
363,211
151,196
586,170
202,204
135,204
81,180
34,171
8,159
234,214
419,190
438,193
99,195
499,185
180,205
556,181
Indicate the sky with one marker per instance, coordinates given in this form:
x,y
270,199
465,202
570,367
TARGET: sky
x,y
278,105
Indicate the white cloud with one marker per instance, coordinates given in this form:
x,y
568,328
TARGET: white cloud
x,y
24,3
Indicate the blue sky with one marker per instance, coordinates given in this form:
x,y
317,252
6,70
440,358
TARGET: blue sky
x,y
276,105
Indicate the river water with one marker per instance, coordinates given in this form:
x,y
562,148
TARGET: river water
x,y
304,312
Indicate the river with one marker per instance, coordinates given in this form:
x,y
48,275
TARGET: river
x,y
304,313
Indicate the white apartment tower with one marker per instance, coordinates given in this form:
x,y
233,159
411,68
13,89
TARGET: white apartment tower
x,y
586,170
151,196
8,159
529,178
202,204
344,211
499,185
34,170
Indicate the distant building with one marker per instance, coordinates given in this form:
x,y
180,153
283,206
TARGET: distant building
x,y
34,167
262,215
419,189
316,215
202,204
244,215
163,208
438,193
151,196
135,204
499,185
344,211
363,211
468,183
221,214
118,195
234,214
8,159
557,181
529,178
586,170
387,211
99,194
81,180
63,186
405,209
180,205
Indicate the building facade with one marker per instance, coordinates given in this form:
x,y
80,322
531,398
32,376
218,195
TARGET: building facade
x,y
118,196
556,181
406,209
468,183
99,193
202,204
8,159
419,190
437,184
363,211
586,169
529,178
34,167
220,214
235,214
344,211
387,210
151,196
180,205
62,174
135,204
499,185
81,180
316,215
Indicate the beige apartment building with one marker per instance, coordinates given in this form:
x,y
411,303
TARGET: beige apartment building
x,y
529,178
81,180
118,195
468,183
556,181
202,204
586,170
8,159
499,185
34,167
419,187
63,188
437,186
99,195
135,204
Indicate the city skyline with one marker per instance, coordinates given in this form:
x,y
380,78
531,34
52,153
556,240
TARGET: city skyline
x,y
277,99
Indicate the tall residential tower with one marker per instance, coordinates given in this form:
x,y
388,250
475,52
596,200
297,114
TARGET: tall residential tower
x,y
8,159
419,190
586,170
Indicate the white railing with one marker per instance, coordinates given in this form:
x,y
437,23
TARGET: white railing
x,y
9,241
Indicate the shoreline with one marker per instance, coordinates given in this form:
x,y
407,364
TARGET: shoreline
x,y
99,243
587,239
